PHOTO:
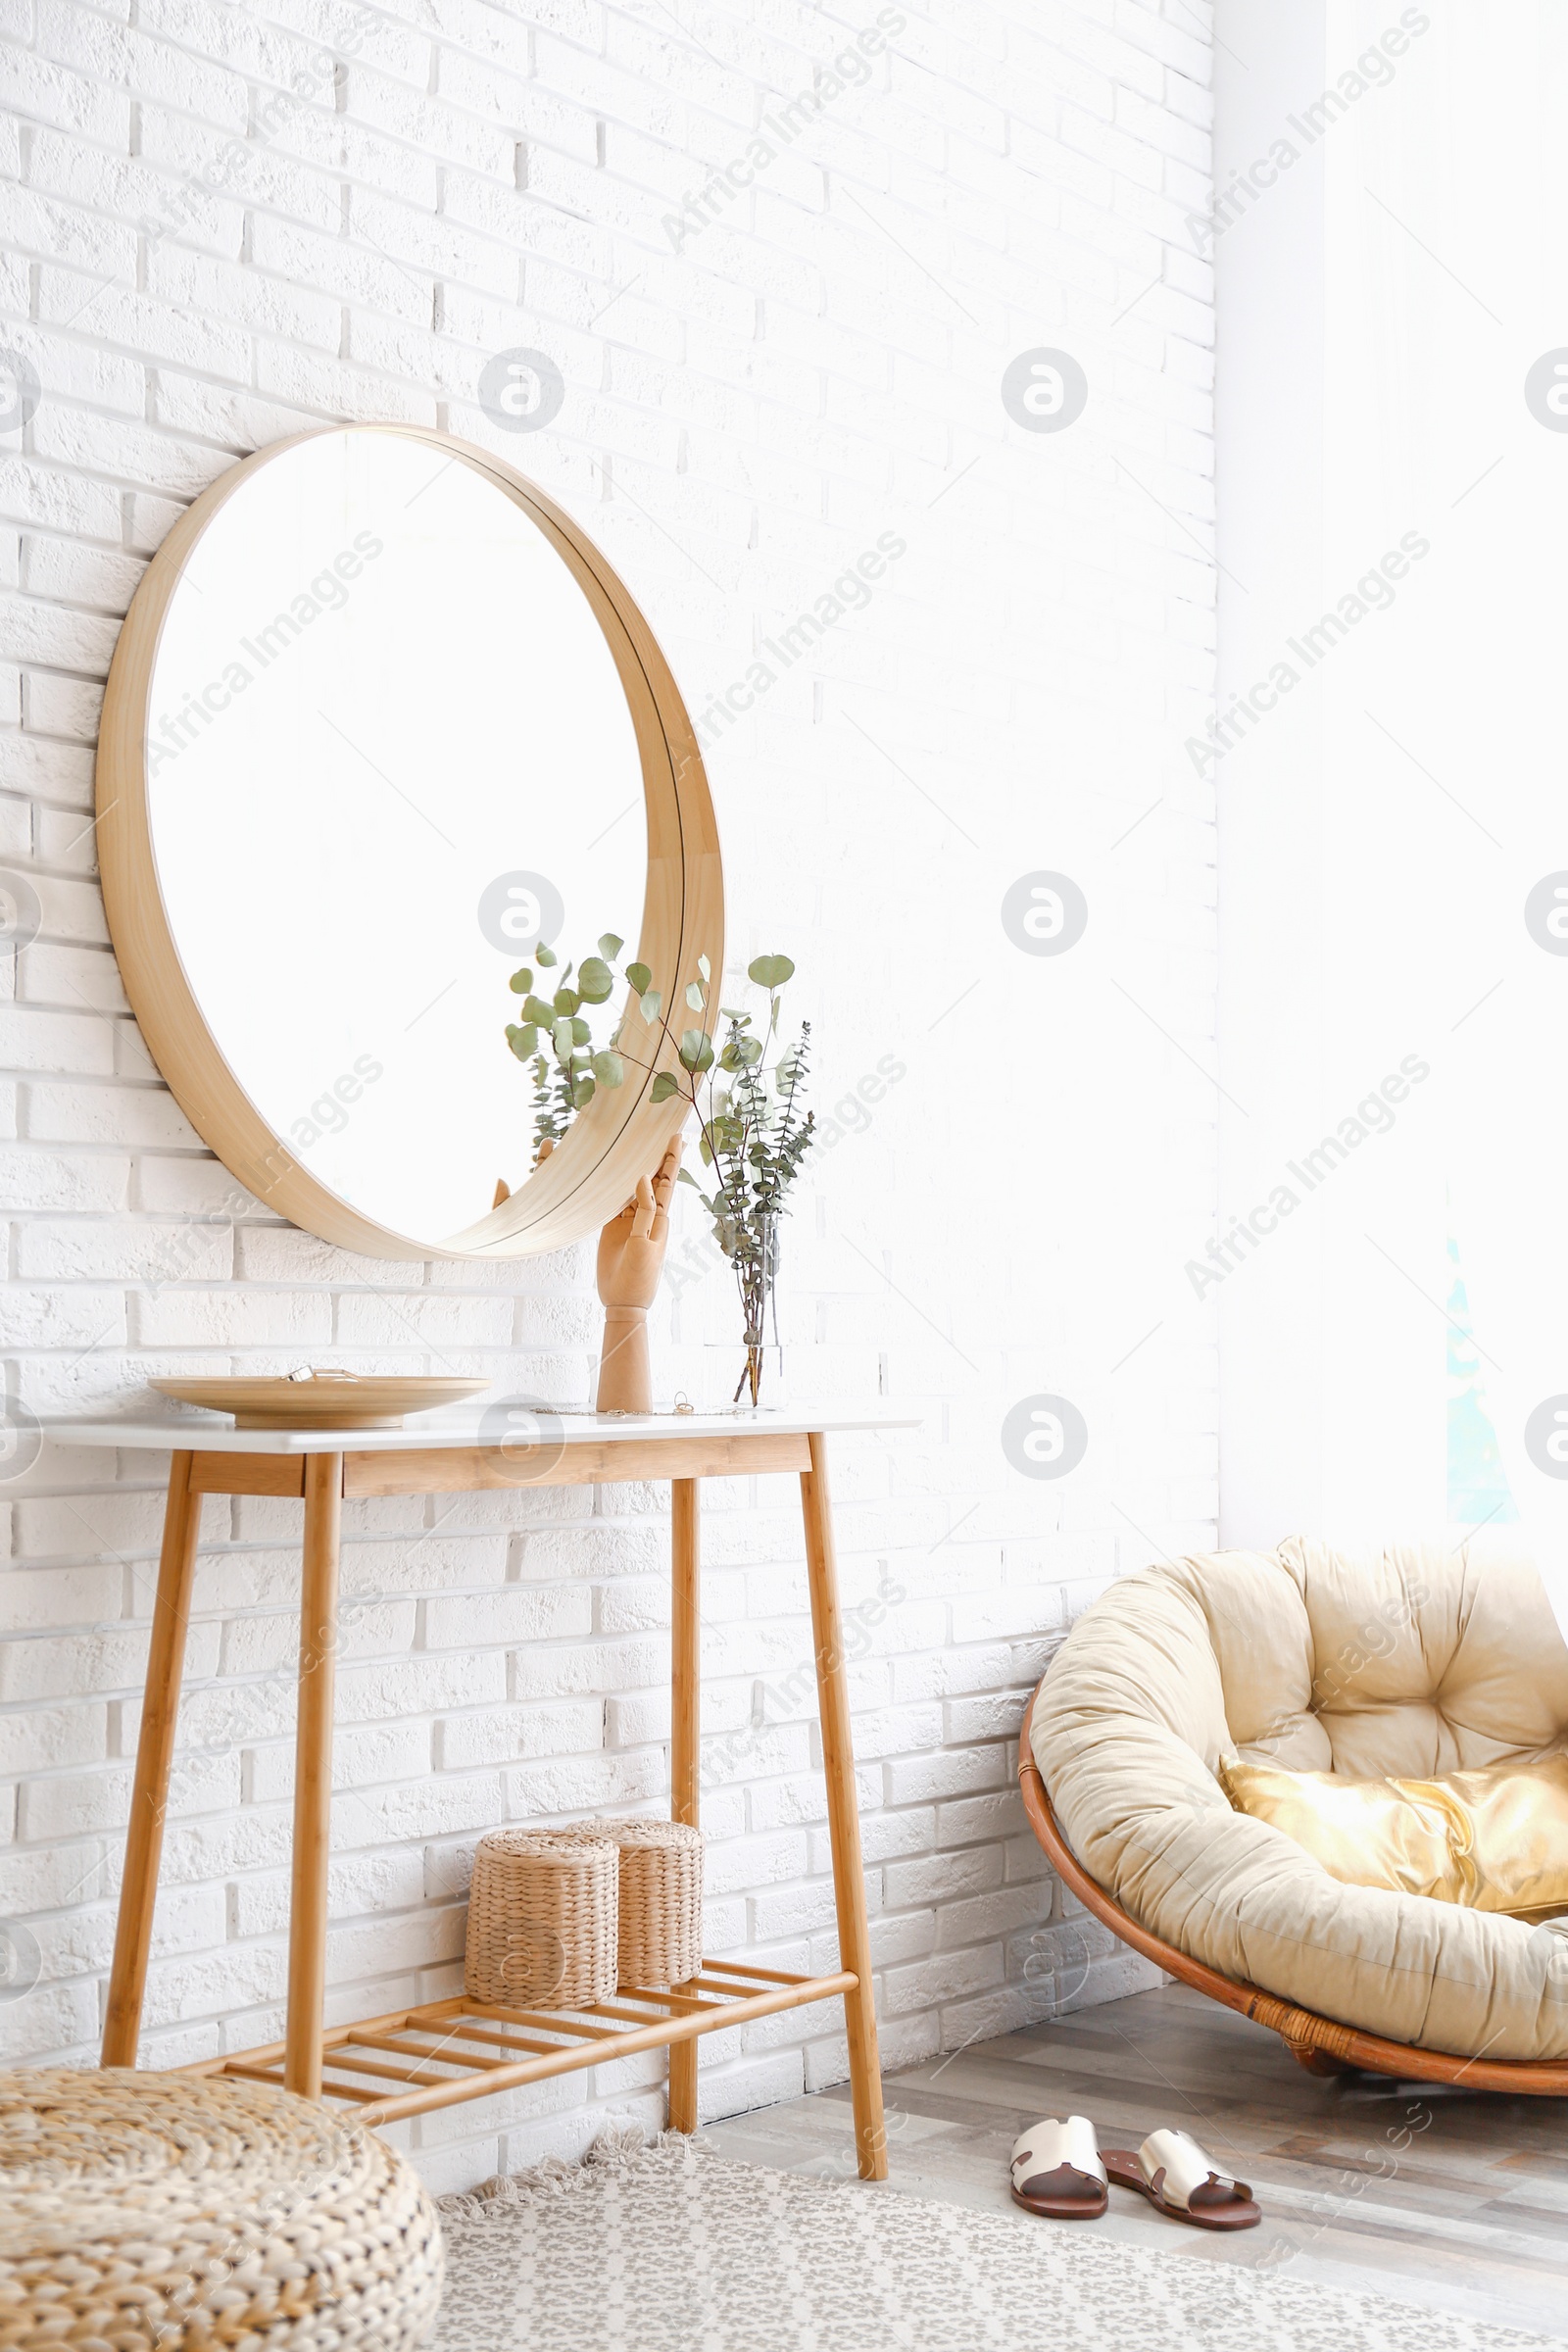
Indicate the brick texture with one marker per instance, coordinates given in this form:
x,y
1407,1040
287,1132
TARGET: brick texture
x,y
224,223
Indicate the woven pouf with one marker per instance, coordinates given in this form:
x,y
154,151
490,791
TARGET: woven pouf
x,y
542,1912
176,2211
660,1940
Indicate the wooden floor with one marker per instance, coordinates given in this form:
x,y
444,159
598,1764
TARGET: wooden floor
x,y
1433,2196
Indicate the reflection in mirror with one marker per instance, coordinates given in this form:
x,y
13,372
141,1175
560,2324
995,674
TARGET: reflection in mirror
x,y
388,751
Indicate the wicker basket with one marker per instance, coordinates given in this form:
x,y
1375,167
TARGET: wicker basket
x,y
660,1938
165,2209
542,1919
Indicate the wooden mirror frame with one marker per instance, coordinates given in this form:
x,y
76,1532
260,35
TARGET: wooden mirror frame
x,y
620,1135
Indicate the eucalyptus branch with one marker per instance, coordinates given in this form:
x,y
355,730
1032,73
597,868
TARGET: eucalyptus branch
x,y
747,1109
749,1131
554,1037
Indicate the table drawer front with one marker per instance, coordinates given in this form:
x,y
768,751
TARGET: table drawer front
x,y
458,1470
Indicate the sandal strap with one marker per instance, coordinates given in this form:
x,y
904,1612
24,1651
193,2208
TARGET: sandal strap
x,y
1186,2169
1049,2145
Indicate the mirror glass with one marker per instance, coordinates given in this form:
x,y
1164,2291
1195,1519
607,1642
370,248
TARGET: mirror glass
x,y
388,750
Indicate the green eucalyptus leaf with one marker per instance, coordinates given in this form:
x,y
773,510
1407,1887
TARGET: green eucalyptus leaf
x,y
595,980
697,1050
694,997
610,946
771,971
705,967
561,1038
523,1041
653,1004
520,982
638,975
537,1011
567,999
608,1068
582,1091
686,1177
664,1086
582,1034
748,1052
546,956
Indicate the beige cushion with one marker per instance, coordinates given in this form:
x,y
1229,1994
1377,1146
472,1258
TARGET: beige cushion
x,y
1404,1662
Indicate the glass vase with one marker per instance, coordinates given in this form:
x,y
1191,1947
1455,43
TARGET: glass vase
x,y
759,1283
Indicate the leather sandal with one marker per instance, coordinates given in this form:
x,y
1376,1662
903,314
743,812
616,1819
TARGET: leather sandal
x,y
1173,2172
1056,2170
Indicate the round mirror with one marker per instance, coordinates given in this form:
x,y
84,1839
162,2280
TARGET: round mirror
x,y
384,735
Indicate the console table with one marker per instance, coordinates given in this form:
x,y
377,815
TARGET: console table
x,y
438,2054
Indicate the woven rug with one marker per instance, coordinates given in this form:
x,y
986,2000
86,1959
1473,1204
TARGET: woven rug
x,y
671,2249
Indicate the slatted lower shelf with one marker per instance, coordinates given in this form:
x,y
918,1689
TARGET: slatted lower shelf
x,y
443,2052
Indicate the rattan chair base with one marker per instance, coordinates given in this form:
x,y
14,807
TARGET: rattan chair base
x,y
1318,2043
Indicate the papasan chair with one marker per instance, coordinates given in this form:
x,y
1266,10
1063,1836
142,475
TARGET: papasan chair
x,y
1407,1661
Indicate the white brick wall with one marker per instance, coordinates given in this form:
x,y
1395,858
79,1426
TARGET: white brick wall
x,y
196,262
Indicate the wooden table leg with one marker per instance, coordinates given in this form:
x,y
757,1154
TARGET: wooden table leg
x,y
843,1816
313,1774
155,1752
685,1750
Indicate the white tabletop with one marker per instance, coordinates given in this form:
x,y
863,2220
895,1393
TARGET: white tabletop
x,y
215,1433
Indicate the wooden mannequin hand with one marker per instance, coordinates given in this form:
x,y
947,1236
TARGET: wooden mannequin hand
x,y
631,1246
631,1258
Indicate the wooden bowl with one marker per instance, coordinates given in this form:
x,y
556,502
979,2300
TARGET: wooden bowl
x,y
324,1400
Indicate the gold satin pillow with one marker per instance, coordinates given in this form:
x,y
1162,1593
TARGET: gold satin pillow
x,y
1494,1841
